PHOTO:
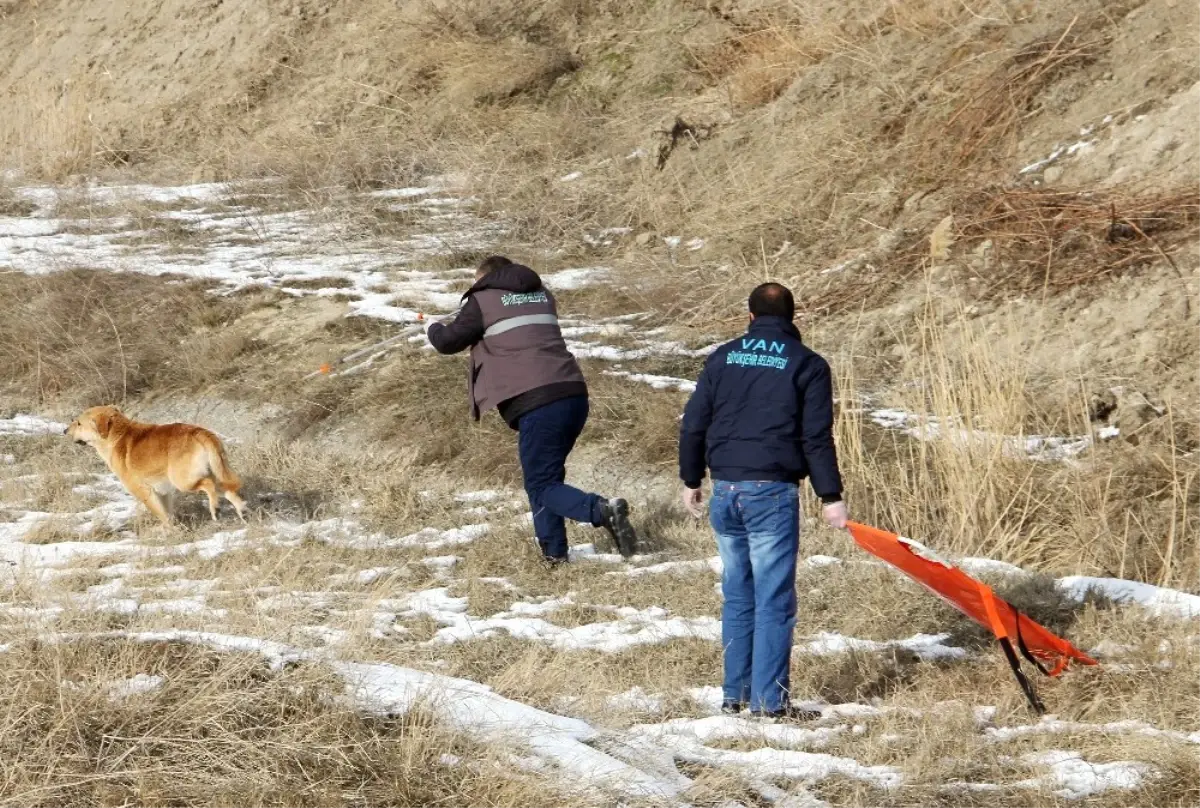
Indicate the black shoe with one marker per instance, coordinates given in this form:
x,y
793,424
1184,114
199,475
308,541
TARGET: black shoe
x,y
789,713
554,562
732,707
614,514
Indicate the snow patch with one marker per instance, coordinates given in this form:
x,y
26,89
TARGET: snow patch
x,y
578,278
657,382
135,686
29,426
633,627
1032,447
925,646
1075,778
733,728
1159,601
468,706
1052,725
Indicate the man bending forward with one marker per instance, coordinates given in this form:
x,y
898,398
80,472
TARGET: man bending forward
x,y
521,366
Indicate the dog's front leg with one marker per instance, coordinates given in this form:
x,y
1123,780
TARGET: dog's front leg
x,y
153,502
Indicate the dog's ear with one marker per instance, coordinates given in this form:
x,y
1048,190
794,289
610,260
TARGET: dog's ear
x,y
103,421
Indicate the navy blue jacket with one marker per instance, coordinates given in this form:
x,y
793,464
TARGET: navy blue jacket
x,y
762,410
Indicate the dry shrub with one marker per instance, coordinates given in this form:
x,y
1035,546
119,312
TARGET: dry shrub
x,y
48,128
83,338
497,20
420,400
313,163
641,423
12,205
968,489
516,93
314,479
1056,240
686,594
853,677
769,69
983,128
758,65
484,598
222,729
496,73
51,531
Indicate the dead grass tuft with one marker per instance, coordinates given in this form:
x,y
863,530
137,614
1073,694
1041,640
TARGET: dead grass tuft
x,y
1055,240
51,531
964,487
854,677
984,125
82,338
266,737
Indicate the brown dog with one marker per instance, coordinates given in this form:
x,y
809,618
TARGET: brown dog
x,y
152,459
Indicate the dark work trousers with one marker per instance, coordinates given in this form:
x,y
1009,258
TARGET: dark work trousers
x,y
547,436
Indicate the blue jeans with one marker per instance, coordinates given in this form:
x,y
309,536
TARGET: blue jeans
x,y
758,535
547,436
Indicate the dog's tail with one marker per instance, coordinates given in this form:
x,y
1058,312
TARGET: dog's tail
x,y
217,463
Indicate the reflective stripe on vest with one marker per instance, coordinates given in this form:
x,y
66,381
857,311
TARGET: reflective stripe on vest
x,y
516,322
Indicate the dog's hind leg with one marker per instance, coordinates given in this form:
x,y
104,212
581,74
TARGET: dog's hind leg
x,y
206,485
227,481
238,503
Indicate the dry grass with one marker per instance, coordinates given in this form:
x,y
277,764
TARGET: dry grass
x,y
49,129
797,124
273,592
820,121
1057,240
966,492
222,729
985,125
82,338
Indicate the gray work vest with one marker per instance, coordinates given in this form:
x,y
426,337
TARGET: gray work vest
x,y
522,348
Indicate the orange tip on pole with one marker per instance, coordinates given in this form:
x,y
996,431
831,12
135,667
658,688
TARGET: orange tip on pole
x,y
325,368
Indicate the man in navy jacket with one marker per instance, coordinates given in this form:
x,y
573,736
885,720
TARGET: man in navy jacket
x,y
761,420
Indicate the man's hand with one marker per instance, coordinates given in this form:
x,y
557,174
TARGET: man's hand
x,y
836,515
693,501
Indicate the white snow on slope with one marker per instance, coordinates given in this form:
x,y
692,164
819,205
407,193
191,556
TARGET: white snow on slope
x,y
1052,725
1158,600
381,289
578,278
239,246
1074,778
926,646
734,728
632,627
1068,776
931,428
657,382
465,705
135,685
30,425
218,234
789,753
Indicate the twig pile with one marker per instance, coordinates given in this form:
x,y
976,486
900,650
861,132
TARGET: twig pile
x,y
1058,239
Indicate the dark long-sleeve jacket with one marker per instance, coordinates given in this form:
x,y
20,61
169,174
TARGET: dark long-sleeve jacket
x,y
762,410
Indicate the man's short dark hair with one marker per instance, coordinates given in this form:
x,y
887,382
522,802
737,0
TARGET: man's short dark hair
x,y
773,300
492,263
